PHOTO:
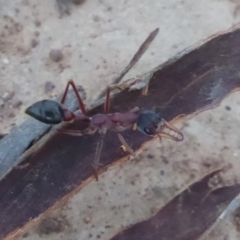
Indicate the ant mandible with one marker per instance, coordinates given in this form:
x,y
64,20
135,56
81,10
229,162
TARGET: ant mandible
x,y
148,122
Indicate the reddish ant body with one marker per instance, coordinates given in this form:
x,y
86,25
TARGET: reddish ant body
x,y
147,122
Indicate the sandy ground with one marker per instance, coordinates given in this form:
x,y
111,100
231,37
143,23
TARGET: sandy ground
x,y
96,41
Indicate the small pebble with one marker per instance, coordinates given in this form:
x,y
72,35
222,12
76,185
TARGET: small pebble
x,y
11,115
6,61
36,33
150,156
49,86
34,43
227,108
17,103
87,219
7,96
96,18
162,172
56,55
93,35
37,23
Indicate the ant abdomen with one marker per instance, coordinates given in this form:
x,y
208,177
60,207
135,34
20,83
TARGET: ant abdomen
x,y
46,111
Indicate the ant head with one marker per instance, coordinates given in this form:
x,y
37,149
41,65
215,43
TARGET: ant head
x,y
151,123
148,122
46,111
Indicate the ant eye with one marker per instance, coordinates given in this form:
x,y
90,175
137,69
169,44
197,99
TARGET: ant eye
x,y
148,131
49,115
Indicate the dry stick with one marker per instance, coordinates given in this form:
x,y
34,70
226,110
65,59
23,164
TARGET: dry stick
x,y
134,60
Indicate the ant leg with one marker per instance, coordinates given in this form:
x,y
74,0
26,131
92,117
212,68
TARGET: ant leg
x,y
135,110
159,137
76,133
80,102
135,58
137,83
71,132
125,146
97,155
145,90
140,83
107,101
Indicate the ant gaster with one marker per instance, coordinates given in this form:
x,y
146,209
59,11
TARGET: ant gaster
x,y
148,122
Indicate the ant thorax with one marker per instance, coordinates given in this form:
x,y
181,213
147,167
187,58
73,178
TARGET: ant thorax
x,y
123,121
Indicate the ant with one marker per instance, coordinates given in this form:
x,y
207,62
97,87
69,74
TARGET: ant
x,y
148,122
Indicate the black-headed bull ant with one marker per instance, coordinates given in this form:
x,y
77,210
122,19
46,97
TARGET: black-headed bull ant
x,y
147,122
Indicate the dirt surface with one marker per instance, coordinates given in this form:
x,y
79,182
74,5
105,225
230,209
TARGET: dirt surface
x,y
96,41
41,49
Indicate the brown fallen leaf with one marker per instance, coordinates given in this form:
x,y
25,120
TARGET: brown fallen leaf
x,y
60,165
188,216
